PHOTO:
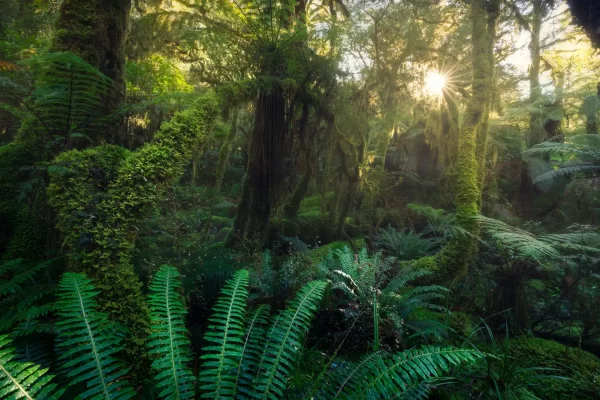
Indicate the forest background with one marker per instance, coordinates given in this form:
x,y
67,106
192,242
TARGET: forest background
x,y
398,173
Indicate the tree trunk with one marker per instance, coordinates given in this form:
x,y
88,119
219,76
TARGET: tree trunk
x,y
96,30
453,260
535,91
265,171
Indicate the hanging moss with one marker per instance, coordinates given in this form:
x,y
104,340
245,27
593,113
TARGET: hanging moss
x,y
102,193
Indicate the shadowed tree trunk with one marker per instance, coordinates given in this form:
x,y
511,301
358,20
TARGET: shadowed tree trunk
x,y
265,170
96,30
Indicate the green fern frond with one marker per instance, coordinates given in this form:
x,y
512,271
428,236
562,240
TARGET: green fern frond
x,y
518,241
387,376
565,171
17,272
88,341
285,341
253,348
169,343
222,357
23,380
403,277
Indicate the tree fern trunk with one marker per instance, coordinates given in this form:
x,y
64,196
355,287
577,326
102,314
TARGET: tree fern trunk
x,y
265,171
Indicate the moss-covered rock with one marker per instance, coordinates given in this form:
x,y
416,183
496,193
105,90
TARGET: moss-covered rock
x,y
580,367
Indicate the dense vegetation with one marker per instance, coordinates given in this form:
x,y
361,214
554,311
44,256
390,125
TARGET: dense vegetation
x,y
295,199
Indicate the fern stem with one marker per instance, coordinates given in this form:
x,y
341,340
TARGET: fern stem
x,y
17,385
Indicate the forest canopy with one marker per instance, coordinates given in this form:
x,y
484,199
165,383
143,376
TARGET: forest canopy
x,y
298,199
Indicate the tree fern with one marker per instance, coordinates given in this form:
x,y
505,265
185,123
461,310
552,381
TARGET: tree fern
x,y
69,95
88,341
386,376
225,335
169,343
23,380
285,341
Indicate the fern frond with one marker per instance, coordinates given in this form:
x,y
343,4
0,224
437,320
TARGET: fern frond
x,y
23,380
404,276
254,346
15,273
169,343
285,341
519,241
565,171
88,341
222,357
385,377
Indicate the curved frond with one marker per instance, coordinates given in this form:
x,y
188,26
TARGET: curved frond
x,y
223,355
169,342
89,341
23,380
388,376
254,345
285,341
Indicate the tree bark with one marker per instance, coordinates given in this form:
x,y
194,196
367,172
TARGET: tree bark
x,y
96,30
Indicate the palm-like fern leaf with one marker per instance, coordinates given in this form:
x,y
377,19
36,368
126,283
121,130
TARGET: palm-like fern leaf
x,y
23,380
518,241
222,357
386,377
89,341
169,343
284,342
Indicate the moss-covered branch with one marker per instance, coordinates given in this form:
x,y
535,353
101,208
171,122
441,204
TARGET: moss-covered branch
x,y
103,192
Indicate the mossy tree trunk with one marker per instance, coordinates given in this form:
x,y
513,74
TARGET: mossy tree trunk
x,y
101,193
96,30
452,261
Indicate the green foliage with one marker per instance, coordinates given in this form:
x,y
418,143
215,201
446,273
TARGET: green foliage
x,y
68,101
20,380
579,153
581,367
359,277
386,375
405,245
244,356
24,296
284,341
98,211
223,355
89,341
169,344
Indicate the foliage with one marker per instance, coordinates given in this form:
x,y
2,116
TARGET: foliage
x,y
405,245
381,376
23,380
89,341
579,366
169,344
385,293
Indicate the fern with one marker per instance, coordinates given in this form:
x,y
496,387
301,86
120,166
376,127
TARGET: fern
x,y
222,357
285,341
252,350
69,95
388,376
168,341
405,245
23,380
517,241
582,153
88,341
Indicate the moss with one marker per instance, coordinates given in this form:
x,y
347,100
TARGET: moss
x,y
102,193
582,368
